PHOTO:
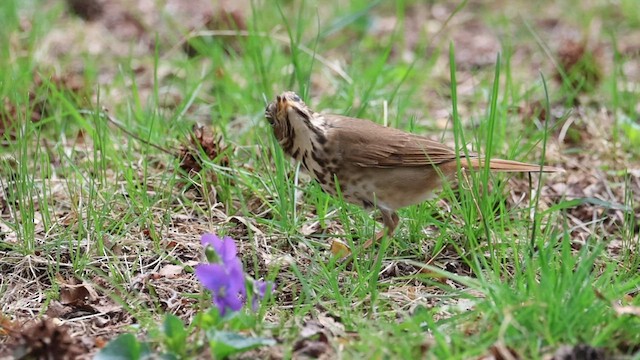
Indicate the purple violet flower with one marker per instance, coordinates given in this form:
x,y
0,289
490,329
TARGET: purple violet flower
x,y
226,283
259,289
261,286
226,279
225,248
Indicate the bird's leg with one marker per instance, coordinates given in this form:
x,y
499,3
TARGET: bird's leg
x,y
390,220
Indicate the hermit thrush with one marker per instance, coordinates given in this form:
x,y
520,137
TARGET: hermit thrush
x,y
375,166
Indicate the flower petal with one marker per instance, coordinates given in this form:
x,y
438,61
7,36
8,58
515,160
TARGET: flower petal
x,y
235,279
221,304
233,301
214,277
212,240
261,287
228,249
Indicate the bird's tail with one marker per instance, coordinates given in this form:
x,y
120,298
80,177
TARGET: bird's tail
x,y
508,165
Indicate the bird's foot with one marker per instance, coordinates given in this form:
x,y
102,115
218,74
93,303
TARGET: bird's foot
x,y
376,238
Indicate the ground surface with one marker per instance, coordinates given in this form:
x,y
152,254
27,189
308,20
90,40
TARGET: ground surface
x,y
100,222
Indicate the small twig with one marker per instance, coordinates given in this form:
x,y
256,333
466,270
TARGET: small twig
x,y
122,127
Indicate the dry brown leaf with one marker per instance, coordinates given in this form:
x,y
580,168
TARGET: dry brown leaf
x,y
340,249
329,322
57,310
77,294
310,228
106,306
313,343
171,270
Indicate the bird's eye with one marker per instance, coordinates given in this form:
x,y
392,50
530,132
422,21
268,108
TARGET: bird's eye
x,y
270,119
296,98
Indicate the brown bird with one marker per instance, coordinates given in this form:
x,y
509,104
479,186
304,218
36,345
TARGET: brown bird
x,y
376,166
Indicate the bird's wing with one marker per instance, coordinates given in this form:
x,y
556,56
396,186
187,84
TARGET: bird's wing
x,y
368,144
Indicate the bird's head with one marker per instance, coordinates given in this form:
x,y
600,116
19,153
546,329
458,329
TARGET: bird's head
x,y
286,109
296,127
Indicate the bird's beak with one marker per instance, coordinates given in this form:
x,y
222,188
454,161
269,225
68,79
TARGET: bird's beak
x,y
269,113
